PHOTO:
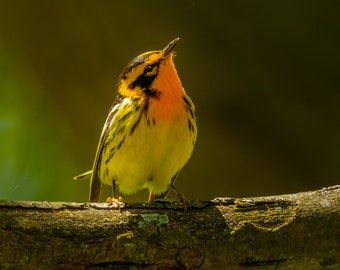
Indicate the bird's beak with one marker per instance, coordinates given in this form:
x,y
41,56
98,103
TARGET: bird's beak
x,y
168,48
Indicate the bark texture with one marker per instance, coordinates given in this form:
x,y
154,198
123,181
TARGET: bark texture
x,y
294,231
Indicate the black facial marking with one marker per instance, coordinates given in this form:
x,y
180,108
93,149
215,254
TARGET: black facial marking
x,y
154,93
143,81
135,62
146,106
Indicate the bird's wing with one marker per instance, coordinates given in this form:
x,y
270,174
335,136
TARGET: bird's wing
x,y
106,136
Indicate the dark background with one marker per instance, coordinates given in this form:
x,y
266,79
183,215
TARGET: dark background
x,y
264,76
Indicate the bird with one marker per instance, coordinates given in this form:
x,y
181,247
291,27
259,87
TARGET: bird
x,y
150,131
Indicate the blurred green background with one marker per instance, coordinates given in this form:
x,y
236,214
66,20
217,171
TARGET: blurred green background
x,y
264,76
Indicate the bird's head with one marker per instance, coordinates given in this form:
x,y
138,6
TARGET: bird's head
x,y
150,74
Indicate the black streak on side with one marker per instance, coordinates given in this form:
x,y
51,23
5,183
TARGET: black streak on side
x,y
144,111
191,126
112,153
189,107
133,128
121,143
150,122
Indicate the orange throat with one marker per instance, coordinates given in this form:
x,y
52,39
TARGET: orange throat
x,y
168,105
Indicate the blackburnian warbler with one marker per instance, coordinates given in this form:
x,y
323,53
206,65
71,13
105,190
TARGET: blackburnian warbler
x,y
150,131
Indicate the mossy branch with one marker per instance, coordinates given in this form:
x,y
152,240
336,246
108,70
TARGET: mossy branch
x,y
295,231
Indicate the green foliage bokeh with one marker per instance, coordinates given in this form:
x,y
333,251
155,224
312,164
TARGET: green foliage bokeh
x,y
264,77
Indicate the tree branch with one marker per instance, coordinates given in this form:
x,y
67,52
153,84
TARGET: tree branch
x,y
295,231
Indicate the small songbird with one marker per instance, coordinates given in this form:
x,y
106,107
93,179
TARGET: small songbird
x,y
150,131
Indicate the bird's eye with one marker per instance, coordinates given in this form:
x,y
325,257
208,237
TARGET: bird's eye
x,y
148,68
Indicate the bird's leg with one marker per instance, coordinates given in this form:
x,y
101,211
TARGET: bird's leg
x,y
152,197
181,197
111,200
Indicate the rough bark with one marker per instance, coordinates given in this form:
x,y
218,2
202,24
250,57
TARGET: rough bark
x,y
295,231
